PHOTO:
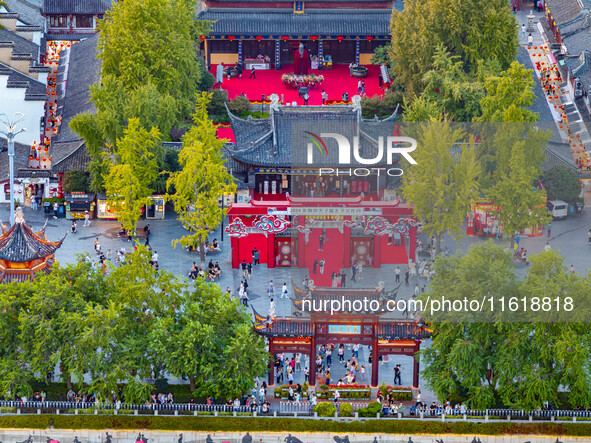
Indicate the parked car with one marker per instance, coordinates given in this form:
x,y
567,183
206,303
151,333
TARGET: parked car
x,y
558,209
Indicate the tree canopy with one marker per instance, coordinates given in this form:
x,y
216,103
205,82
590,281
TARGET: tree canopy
x,y
443,183
123,328
520,358
202,180
562,183
474,31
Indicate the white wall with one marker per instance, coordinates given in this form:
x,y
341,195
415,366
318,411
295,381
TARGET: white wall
x,y
13,100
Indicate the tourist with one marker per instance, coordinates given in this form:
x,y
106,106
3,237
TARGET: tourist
x,y
253,73
359,86
306,98
284,292
530,40
315,265
324,97
74,227
271,289
523,31
55,209
397,373
321,266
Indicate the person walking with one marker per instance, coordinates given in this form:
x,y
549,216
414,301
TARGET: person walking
x,y
406,276
397,273
324,97
353,272
284,291
397,373
359,86
523,33
315,265
253,73
271,289
306,98
589,235
530,40
55,209
549,228
86,219
321,243
321,265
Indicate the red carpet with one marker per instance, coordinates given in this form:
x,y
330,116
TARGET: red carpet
x,y
332,255
336,82
226,133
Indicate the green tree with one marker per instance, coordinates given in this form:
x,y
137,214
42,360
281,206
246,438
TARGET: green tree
x,y
381,107
479,30
150,71
562,183
380,55
75,181
202,180
130,181
442,185
210,340
518,204
508,95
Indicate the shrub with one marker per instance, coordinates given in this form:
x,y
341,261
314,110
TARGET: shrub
x,y
325,409
324,387
346,410
207,80
239,106
370,410
381,107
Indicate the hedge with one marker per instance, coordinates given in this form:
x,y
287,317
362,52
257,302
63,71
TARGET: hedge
x,y
293,425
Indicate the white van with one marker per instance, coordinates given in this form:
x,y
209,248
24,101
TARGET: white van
x,y
558,209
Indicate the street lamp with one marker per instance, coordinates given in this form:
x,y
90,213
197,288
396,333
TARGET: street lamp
x,y
10,134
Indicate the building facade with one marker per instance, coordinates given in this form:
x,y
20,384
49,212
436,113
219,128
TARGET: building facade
x,y
345,31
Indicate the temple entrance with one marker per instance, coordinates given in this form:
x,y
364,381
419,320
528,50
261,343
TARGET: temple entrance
x,y
285,248
361,251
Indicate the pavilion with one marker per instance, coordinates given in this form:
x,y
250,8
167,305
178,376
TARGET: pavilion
x,y
24,252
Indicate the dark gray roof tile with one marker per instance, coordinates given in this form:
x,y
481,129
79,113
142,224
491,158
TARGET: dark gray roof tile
x,y
28,12
252,22
75,6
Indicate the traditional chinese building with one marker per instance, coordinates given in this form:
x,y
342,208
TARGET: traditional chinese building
x,y
313,326
25,253
346,31
73,20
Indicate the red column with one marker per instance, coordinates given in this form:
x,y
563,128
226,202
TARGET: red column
x,y
347,245
271,381
302,245
271,250
235,243
313,360
412,243
377,251
415,368
375,364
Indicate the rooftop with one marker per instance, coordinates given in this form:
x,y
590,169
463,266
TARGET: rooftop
x,y
75,6
21,158
28,12
313,22
19,244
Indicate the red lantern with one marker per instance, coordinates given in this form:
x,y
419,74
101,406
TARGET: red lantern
x,y
259,37
284,37
369,37
46,149
44,159
231,37
202,37
340,38
313,38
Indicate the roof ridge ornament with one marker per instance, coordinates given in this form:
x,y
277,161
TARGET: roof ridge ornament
x,y
356,101
19,217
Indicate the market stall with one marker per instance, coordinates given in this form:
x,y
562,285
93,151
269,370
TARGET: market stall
x,y
78,203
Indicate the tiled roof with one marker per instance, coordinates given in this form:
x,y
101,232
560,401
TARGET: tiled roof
x,y
312,22
69,156
20,244
578,41
20,45
34,90
78,70
21,158
281,140
563,11
28,12
75,6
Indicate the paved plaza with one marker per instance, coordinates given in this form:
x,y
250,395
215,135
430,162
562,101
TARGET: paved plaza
x,y
568,237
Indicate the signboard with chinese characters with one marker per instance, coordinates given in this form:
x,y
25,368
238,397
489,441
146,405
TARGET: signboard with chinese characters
x,y
344,329
334,211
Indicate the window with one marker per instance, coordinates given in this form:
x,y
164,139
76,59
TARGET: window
x,y
84,21
58,21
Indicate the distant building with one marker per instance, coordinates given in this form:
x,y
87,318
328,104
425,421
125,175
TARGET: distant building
x,y
73,20
23,78
347,31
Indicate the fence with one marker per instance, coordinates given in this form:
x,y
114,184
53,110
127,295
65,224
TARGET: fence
x,y
286,407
